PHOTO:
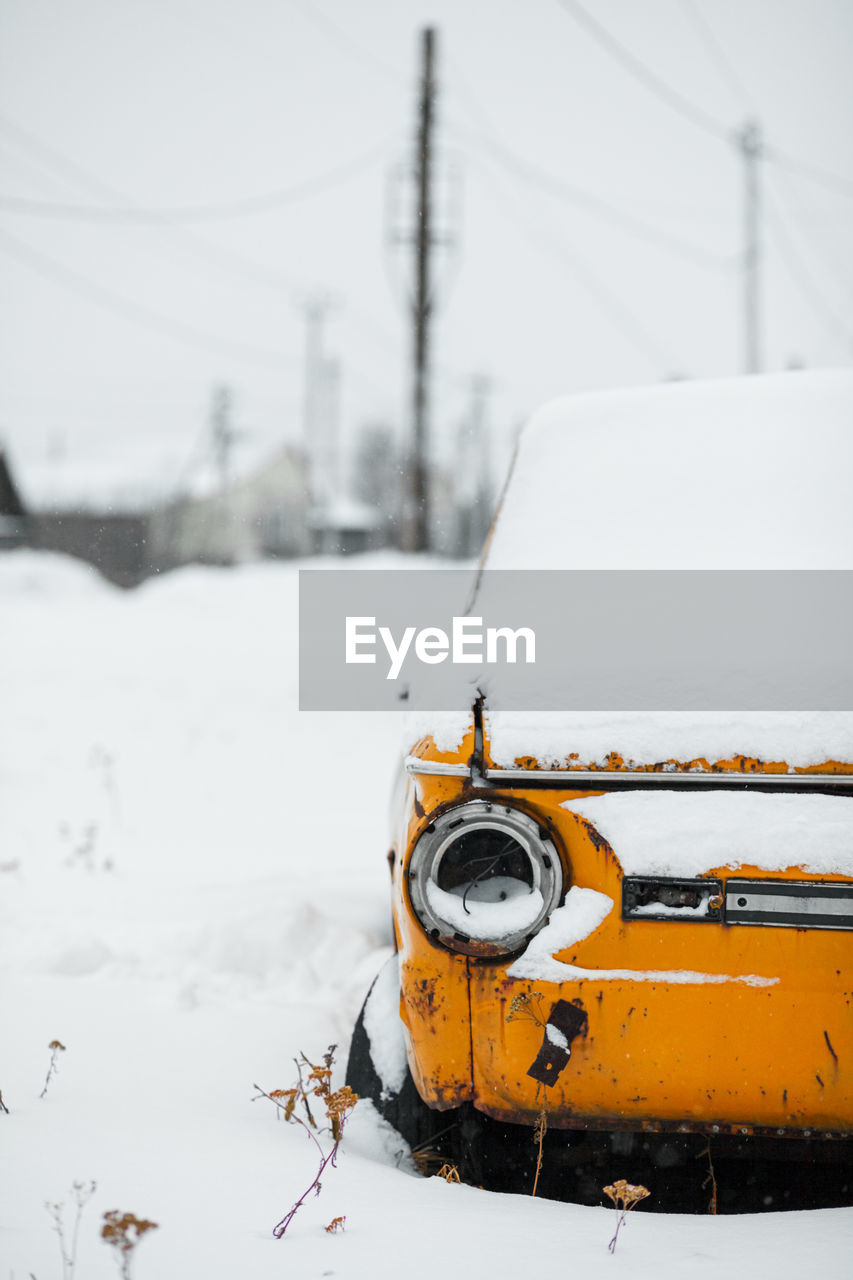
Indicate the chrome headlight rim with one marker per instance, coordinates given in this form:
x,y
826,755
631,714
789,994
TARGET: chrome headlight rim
x,y
545,865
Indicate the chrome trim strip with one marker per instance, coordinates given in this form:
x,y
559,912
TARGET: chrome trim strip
x,y
668,779
440,768
798,904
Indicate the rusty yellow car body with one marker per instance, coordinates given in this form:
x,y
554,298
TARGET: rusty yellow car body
x,y
709,998
655,1052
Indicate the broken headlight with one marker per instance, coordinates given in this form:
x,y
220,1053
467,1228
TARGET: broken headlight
x,y
483,878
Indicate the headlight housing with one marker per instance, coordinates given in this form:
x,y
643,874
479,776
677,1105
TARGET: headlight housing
x,y
483,878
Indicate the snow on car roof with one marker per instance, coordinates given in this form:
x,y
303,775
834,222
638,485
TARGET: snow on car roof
x,y
803,739
741,473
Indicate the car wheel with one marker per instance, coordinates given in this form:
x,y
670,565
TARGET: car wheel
x,y
377,1067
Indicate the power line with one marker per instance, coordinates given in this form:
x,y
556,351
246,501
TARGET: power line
x,y
226,259
631,327
52,159
789,255
832,181
157,322
649,79
581,197
837,328
31,167
354,47
55,159
595,205
842,186
213,212
807,231
135,311
714,49
688,109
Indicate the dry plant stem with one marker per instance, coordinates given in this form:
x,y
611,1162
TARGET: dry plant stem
x,y
424,1155
82,1193
422,1147
303,1095
706,1151
337,1106
624,1196
619,1221
316,1186
528,1005
56,1047
539,1137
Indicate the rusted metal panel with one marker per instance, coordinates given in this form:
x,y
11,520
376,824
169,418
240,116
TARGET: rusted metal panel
x,y
722,1056
659,1055
565,1021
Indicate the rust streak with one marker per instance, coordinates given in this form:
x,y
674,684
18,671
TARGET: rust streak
x,y
423,997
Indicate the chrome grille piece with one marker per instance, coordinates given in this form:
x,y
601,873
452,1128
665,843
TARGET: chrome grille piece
x,y
799,904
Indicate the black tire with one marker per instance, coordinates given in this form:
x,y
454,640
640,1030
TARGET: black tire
x,y
484,1152
405,1110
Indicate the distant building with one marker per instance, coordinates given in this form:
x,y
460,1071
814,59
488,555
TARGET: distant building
x,y
262,514
344,528
66,516
115,542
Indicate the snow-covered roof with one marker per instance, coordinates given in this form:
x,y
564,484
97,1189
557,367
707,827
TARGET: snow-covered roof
x,y
135,480
87,484
344,513
255,470
742,473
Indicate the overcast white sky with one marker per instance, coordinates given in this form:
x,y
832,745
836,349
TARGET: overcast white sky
x,y
114,333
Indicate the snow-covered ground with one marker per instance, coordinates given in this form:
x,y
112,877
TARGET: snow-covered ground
x,y
194,890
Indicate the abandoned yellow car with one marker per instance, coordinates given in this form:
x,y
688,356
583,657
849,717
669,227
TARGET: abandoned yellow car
x,y
634,930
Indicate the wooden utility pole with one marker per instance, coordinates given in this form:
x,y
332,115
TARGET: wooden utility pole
x,y
472,498
222,432
418,531
314,411
749,140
